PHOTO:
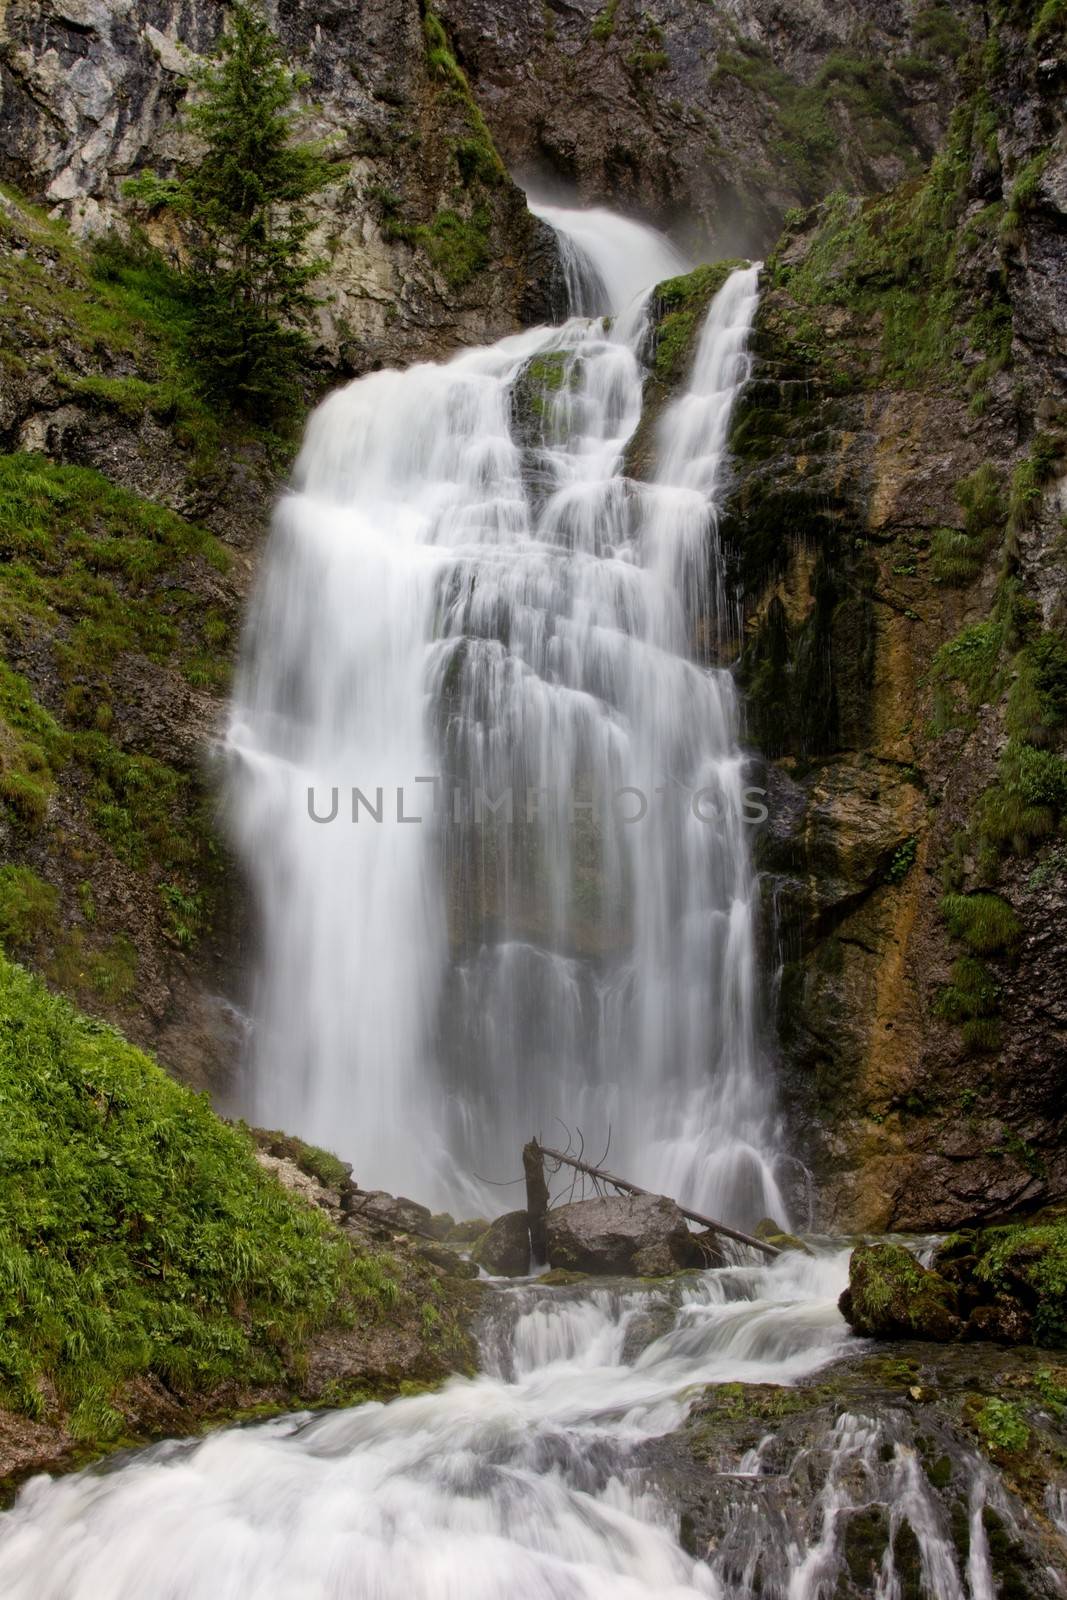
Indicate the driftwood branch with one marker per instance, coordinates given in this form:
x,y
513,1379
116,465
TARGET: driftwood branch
x,y
537,1198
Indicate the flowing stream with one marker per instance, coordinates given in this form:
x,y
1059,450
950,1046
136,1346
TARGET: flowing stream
x,y
472,616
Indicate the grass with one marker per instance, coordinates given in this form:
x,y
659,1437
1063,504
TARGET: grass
x,y
984,922
28,907
957,556
138,1234
971,1000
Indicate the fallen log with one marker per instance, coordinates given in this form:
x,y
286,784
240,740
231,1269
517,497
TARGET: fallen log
x,y
533,1157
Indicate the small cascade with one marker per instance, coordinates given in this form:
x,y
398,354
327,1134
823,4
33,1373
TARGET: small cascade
x,y
470,616
556,1474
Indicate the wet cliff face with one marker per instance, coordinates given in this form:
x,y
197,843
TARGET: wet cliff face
x,y
720,117
897,532
428,241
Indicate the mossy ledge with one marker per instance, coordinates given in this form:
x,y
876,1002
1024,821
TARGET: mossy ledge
x,y
153,1277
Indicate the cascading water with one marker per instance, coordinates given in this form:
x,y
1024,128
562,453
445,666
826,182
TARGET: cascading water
x,y
464,587
542,1479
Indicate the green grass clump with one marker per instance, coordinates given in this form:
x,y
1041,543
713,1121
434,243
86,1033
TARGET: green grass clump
x,y
138,1234
939,29
458,246
604,22
971,1000
985,922
28,907
967,662
310,1158
957,555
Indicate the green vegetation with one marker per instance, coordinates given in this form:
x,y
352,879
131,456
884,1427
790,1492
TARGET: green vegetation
x,y
903,860
310,1158
95,577
1002,1426
892,261
985,922
604,22
1031,1259
243,203
28,907
851,102
679,305
458,238
971,1000
938,28
958,555
139,1236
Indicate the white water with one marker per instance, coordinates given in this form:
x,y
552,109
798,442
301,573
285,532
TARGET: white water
x,y
517,1485
464,585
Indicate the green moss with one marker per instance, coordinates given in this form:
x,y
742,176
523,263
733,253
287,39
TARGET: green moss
x,y
957,556
891,261
138,1234
985,922
852,104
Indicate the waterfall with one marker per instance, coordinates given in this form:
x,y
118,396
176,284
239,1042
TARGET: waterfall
x,y
472,617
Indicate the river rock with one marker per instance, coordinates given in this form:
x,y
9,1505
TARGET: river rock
x,y
504,1249
891,1296
642,1235
772,1232
391,1211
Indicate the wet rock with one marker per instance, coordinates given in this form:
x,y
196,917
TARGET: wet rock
x,y
441,1224
390,1211
1003,1319
772,1232
467,1232
891,1296
504,1249
636,1235
449,1261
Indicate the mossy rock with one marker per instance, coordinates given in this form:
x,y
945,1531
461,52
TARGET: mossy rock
x,y
891,1296
773,1233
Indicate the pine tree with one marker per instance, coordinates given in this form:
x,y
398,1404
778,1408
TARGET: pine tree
x,y
243,201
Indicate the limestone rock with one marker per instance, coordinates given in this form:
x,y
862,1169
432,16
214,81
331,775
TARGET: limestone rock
x,y
504,1249
391,1211
635,1235
891,1296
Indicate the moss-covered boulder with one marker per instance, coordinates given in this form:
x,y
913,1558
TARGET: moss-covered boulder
x,y
891,1296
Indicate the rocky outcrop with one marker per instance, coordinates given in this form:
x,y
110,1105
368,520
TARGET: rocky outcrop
x,y
941,1419
429,244
719,117
642,1236
895,520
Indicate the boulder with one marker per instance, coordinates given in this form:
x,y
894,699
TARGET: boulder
x,y
390,1211
642,1235
449,1261
772,1232
890,1296
504,1248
